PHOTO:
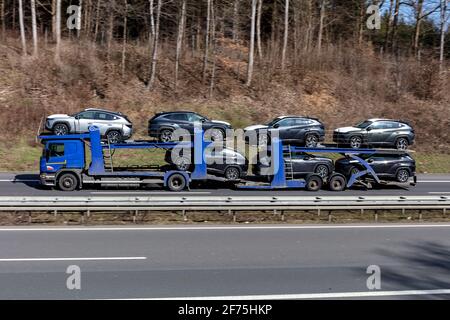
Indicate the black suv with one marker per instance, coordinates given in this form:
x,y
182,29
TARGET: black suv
x,y
292,129
376,132
162,125
299,165
395,167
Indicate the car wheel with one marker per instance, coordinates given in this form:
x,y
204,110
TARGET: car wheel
x,y
176,182
217,134
353,171
402,144
67,182
182,164
165,135
355,142
402,175
337,183
232,173
322,171
311,141
314,183
114,136
60,129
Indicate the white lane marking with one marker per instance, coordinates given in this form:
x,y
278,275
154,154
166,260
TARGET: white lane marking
x,y
334,295
439,192
400,226
72,259
148,193
433,181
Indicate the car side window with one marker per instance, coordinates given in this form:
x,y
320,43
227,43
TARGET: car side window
x,y
104,116
377,125
285,123
86,115
301,122
177,117
392,125
192,117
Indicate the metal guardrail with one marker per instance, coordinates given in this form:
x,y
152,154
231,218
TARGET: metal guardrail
x,y
218,203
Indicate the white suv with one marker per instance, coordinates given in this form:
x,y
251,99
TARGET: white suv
x,y
114,126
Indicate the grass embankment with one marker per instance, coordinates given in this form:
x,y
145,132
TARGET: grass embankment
x,y
25,157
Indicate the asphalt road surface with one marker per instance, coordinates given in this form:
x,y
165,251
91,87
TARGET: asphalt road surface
x,y
27,184
233,262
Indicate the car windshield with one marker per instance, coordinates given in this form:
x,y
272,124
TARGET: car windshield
x,y
363,124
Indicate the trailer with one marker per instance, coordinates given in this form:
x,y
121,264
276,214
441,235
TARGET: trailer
x,y
313,182
63,163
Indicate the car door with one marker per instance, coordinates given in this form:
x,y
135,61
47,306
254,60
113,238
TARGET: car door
x,y
84,120
390,132
193,119
375,133
302,163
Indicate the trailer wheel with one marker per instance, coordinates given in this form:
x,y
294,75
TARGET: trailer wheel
x,y
337,183
176,182
314,182
67,182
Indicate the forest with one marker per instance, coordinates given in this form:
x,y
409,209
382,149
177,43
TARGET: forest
x,y
244,61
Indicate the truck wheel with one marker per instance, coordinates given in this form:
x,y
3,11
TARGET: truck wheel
x,y
176,182
337,183
314,183
67,182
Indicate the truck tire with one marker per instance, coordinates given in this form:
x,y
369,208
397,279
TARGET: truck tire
x,y
176,182
67,182
313,182
337,183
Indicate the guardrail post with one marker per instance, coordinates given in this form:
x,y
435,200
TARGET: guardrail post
x,y
318,212
362,211
88,213
184,215
230,212
82,218
444,211
420,215
135,213
55,212
330,217
29,217
282,215
376,216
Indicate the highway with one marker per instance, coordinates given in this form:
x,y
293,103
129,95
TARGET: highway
x,y
27,184
232,262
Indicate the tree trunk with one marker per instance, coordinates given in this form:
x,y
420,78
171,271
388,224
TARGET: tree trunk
x,y
58,31
417,26
394,31
34,28
97,20
206,52
321,27
22,29
124,36
110,28
3,18
309,31
251,50
389,25
155,48
361,21
442,27
181,25
286,34
79,18
258,29
152,22
54,20
236,20
213,45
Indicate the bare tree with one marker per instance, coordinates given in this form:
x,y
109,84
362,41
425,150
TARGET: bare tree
x,y
443,18
22,29
213,45
235,20
251,51
34,27
2,13
286,34
152,22
97,20
124,36
58,31
110,32
155,47
258,29
181,25
321,26
419,8
206,52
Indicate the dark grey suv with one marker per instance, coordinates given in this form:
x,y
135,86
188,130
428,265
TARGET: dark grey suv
x,y
377,133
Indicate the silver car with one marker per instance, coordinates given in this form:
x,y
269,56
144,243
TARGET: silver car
x,y
114,126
